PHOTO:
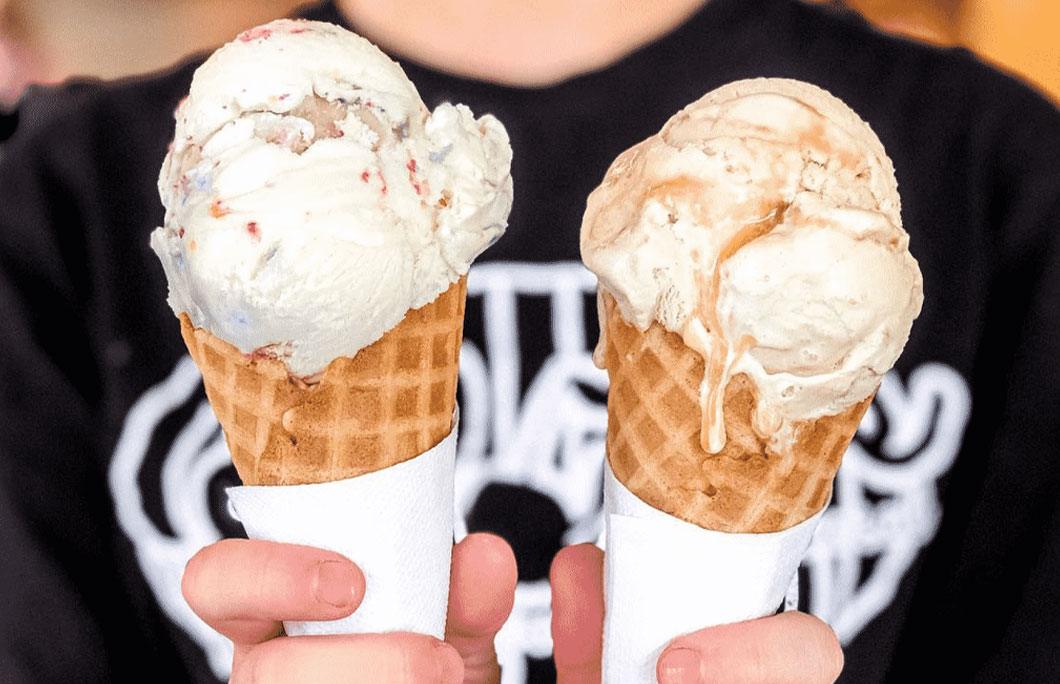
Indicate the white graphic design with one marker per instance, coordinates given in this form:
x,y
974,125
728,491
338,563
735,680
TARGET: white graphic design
x,y
549,437
925,426
196,455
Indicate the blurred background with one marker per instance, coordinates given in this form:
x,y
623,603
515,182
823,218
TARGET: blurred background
x,y
47,41
1018,36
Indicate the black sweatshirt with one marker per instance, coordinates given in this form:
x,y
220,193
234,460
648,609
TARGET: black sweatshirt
x,y
939,558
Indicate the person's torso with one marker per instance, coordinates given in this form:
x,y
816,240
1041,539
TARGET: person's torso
x,y
533,405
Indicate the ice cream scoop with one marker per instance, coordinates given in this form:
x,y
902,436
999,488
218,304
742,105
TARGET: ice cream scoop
x,y
755,284
320,223
312,199
762,225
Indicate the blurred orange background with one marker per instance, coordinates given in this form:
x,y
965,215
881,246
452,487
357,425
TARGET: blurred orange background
x,y
50,40
1018,36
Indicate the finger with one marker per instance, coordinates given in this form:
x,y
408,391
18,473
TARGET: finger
x,y
393,658
244,588
481,595
790,648
577,579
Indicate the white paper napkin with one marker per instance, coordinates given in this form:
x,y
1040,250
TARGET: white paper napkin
x,y
665,577
396,524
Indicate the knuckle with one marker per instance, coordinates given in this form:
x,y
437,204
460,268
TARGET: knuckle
x,y
200,571
264,664
699,641
187,580
830,658
191,580
407,670
404,658
245,670
833,660
422,660
760,660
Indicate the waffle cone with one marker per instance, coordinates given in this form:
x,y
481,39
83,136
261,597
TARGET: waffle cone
x,y
653,439
390,402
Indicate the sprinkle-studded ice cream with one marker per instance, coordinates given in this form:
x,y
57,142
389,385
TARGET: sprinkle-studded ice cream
x,y
312,199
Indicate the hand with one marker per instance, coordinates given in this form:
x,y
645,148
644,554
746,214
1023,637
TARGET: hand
x,y
244,589
790,648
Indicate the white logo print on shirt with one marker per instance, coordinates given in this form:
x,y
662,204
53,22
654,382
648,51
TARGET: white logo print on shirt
x,y
549,437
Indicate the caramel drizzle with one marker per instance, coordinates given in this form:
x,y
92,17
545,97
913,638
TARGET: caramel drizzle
x,y
815,136
720,357
678,185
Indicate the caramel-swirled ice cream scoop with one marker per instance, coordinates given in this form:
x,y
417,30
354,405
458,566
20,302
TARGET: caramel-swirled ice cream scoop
x,y
755,285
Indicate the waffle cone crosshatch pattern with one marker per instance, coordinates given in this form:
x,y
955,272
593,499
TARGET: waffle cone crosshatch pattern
x,y
389,403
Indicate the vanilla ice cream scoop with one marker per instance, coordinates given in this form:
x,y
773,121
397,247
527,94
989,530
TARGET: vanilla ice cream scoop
x,y
762,224
312,199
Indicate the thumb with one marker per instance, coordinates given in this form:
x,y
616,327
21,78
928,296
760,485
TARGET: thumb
x,y
481,596
577,579
790,648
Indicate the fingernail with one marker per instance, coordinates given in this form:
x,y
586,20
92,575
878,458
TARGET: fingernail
x,y
451,663
679,666
335,583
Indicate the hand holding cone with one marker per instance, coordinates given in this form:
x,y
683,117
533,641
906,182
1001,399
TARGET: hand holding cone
x,y
320,224
754,286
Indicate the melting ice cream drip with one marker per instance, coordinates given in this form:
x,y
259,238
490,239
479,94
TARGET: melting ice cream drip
x,y
704,334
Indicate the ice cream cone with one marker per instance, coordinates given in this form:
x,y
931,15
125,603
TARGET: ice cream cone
x,y
390,402
653,439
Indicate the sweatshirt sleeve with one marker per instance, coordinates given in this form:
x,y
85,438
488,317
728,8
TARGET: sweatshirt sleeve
x,y
1011,554
49,453
987,602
